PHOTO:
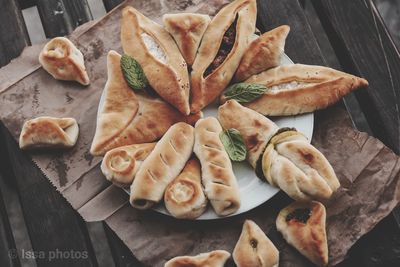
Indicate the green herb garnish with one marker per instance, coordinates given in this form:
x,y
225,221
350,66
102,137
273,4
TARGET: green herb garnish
x,y
245,92
234,144
133,73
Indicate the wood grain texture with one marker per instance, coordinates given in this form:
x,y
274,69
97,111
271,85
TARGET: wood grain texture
x,y
110,4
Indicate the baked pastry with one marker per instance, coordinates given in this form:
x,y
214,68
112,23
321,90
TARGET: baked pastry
x,y
121,164
224,42
263,53
155,50
219,181
302,225
126,118
297,88
254,249
48,132
64,61
184,197
254,128
187,30
163,164
216,258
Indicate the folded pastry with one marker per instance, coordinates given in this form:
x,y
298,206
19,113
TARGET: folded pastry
x,y
284,157
216,258
263,53
254,128
297,88
302,225
187,30
48,132
121,164
163,164
64,61
254,249
184,197
155,50
126,118
224,42
219,181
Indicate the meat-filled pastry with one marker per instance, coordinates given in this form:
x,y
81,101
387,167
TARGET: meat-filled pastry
x,y
263,53
184,197
219,181
156,51
187,30
48,132
163,164
216,258
126,118
64,61
121,164
297,88
254,249
302,225
224,42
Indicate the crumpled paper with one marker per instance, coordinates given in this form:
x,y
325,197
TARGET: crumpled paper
x,y
369,172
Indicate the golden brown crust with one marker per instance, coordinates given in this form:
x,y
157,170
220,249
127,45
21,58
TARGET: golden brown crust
x,y
216,258
173,87
49,132
126,118
318,87
187,30
163,164
263,53
64,61
205,89
184,197
308,238
254,249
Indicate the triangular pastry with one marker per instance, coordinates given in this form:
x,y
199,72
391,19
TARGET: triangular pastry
x,y
156,51
254,249
263,53
224,42
64,61
187,30
125,118
302,225
216,258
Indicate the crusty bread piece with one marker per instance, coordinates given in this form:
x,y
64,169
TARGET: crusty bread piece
x,y
64,61
49,132
164,163
302,225
216,258
219,181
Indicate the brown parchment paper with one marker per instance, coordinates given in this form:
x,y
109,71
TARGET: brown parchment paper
x,y
369,172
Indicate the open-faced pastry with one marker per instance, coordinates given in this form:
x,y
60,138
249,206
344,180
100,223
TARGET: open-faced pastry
x,y
224,42
216,258
263,53
297,88
163,164
302,225
254,249
125,118
184,197
121,164
48,132
156,51
64,61
219,181
187,30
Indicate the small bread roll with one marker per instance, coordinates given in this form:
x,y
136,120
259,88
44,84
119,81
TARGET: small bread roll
x,y
121,164
216,258
64,61
48,132
184,197
254,249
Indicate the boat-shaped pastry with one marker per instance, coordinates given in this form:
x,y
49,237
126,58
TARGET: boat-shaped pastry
x,y
216,258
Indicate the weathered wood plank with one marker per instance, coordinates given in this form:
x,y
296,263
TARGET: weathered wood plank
x,y
110,4
26,3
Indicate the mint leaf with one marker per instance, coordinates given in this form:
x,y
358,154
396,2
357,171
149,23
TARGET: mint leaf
x,y
244,92
234,144
133,73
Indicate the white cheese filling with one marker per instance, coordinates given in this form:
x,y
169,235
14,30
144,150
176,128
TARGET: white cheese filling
x,y
289,86
154,48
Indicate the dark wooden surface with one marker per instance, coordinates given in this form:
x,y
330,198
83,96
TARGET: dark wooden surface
x,y
355,33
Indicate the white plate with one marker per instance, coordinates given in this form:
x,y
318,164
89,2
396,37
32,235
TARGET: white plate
x,y
253,191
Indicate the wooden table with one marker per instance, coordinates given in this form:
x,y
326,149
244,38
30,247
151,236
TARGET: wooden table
x,y
353,37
